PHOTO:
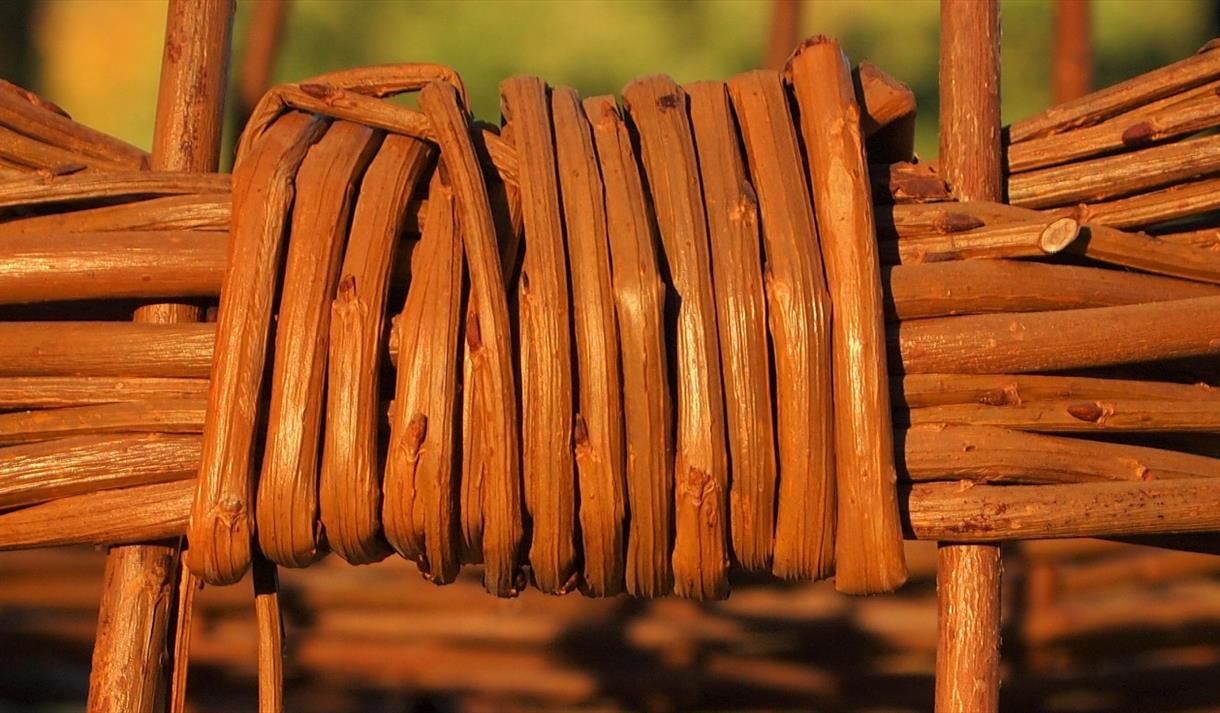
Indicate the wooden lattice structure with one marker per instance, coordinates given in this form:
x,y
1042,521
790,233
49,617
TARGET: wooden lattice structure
x,y
729,323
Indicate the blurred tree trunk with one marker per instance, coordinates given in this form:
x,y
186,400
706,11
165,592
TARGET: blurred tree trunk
x,y
17,56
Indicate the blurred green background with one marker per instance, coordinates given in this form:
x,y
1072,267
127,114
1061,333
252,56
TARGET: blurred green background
x,y
99,58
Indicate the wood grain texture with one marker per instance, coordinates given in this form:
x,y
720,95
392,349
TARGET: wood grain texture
x,y
598,428
1118,134
28,115
422,467
1033,238
140,513
222,516
968,616
799,317
28,392
1146,209
1119,414
1102,104
269,620
349,487
73,187
112,265
868,542
129,652
968,576
1115,176
287,502
546,352
639,296
63,467
194,212
741,314
105,349
1066,339
962,512
160,416
488,341
920,390
700,558
1001,455
981,286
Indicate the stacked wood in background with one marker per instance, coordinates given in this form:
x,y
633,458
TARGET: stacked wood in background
x,y
377,638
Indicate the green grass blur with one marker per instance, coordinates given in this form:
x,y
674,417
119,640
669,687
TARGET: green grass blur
x,y
100,57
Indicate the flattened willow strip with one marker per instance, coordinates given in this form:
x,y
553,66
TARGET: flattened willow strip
x,y
544,308
421,476
349,487
700,558
287,502
639,295
799,316
732,217
221,517
868,547
488,341
598,431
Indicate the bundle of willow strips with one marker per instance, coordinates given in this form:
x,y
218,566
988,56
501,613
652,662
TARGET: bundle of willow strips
x,y
613,348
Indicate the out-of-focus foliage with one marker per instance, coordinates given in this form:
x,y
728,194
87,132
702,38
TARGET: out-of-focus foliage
x,y
99,58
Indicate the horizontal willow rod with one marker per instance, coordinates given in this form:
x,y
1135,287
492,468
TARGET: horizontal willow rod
x,y
1001,455
106,349
958,512
1024,239
38,472
160,416
961,287
30,392
948,512
205,211
1053,341
1102,104
25,113
41,190
124,516
116,264
1112,176
1118,415
1142,252
1120,133
920,390
1146,209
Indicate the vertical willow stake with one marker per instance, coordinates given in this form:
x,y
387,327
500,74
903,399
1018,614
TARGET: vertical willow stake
x,y
130,651
968,576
